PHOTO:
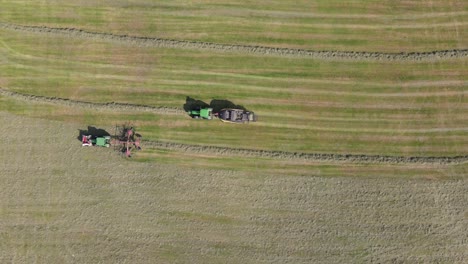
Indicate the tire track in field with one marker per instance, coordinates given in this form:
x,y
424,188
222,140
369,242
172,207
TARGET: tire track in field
x,y
95,106
226,151
246,49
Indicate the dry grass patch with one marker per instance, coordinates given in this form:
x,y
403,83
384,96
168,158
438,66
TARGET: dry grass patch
x,y
75,204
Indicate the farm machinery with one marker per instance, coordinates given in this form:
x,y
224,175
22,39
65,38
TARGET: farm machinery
x,y
125,140
229,115
90,140
222,109
203,113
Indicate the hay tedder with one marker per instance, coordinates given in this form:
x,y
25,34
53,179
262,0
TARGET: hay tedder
x,y
124,140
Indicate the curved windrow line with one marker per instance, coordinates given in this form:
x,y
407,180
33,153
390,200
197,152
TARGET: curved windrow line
x,y
248,49
225,151
313,157
95,106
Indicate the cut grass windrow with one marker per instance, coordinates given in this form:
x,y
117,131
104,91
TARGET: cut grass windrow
x,y
96,106
227,151
247,49
312,157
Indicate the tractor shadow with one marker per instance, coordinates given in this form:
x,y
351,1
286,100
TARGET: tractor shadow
x,y
193,104
93,131
219,104
216,104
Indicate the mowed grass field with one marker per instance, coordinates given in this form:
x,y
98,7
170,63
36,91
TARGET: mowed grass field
x,y
320,25
303,105
65,203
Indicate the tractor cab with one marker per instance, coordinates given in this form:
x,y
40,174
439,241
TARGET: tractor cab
x,y
103,141
203,113
89,140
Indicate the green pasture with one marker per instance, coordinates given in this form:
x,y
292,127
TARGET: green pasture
x,y
391,26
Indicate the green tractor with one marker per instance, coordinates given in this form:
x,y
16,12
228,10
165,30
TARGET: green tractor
x,y
89,140
203,113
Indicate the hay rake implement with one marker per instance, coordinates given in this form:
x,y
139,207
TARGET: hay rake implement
x,y
125,140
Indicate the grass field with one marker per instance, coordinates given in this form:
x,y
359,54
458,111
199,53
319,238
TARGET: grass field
x,y
325,25
81,205
183,203
308,106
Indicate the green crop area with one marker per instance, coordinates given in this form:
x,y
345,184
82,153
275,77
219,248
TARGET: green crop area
x,y
329,25
359,153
